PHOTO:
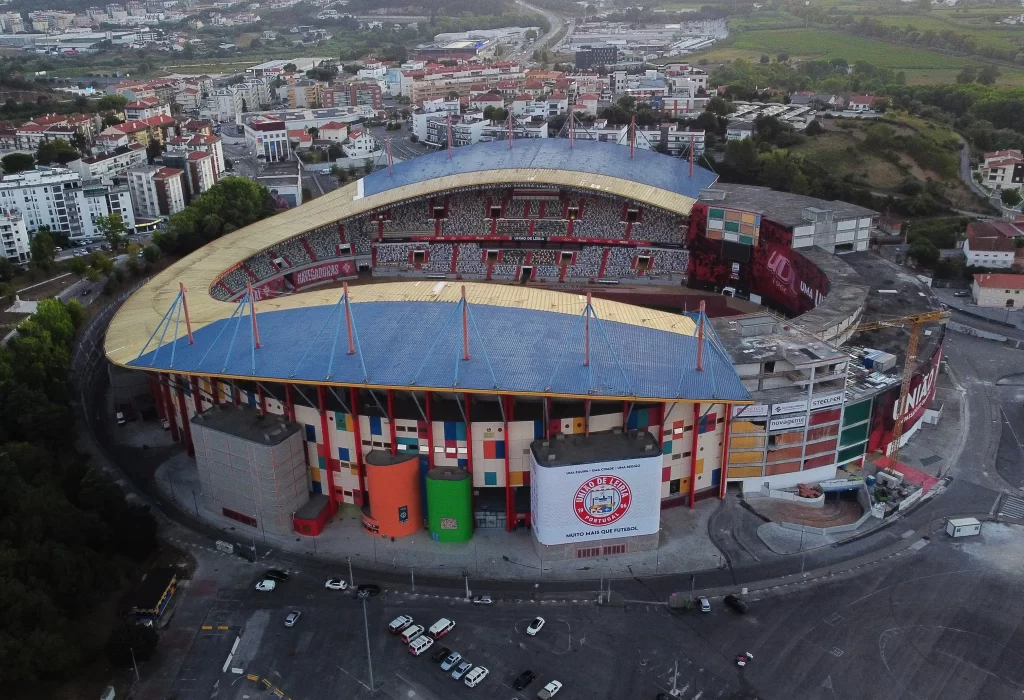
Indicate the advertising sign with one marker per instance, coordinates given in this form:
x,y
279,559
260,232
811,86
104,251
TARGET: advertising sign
x,y
323,273
826,401
758,410
787,423
598,501
883,414
779,409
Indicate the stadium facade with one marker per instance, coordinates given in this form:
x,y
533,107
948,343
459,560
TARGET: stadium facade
x,y
497,357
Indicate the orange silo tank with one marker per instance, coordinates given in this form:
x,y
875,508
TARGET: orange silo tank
x,y
396,505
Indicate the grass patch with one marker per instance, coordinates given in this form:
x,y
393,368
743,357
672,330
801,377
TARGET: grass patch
x,y
985,33
826,44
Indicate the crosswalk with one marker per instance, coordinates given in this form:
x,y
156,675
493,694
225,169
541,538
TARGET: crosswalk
x,y
1012,507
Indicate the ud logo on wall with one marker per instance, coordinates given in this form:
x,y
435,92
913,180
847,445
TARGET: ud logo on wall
x,y
602,500
403,514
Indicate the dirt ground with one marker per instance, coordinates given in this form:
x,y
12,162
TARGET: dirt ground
x,y
834,512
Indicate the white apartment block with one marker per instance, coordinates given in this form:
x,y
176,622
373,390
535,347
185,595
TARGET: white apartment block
x,y
13,236
361,144
107,166
1003,170
102,200
676,140
157,191
996,252
267,138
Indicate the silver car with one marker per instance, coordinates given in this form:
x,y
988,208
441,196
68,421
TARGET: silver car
x,y
461,670
453,658
292,618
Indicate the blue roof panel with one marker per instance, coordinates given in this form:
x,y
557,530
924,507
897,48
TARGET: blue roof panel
x,y
419,344
646,167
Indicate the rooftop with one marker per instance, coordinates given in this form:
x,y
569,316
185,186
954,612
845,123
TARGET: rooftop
x,y
567,450
783,207
246,423
999,280
997,243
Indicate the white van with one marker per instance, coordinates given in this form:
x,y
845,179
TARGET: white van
x,y
474,677
441,628
399,624
420,645
411,633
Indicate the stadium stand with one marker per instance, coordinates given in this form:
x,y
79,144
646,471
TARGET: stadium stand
x,y
551,228
440,257
409,218
513,227
588,262
662,260
659,226
294,252
545,257
514,256
620,262
357,233
397,254
470,260
261,266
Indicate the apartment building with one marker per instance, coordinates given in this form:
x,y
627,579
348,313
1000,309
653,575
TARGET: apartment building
x,y
13,236
1003,170
439,81
203,143
107,166
352,94
58,198
995,252
267,138
302,94
145,108
157,191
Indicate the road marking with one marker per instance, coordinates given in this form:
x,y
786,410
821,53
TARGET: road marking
x,y
836,652
1012,507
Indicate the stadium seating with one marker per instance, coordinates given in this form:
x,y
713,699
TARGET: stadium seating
x,y
234,280
545,257
503,271
555,228
470,260
294,252
262,267
396,254
324,242
513,227
440,257
464,221
409,218
358,233
588,263
658,225
620,263
514,256
664,260
550,272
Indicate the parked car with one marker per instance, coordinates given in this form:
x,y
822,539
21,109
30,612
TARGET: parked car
x,y
410,633
549,690
736,603
449,663
399,624
441,628
476,676
705,605
120,418
535,626
459,671
336,584
368,590
744,658
276,574
440,655
524,679
86,292
325,171
266,585
482,600
165,424
961,294
292,618
420,644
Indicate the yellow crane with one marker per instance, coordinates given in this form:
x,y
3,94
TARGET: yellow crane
x,y
916,323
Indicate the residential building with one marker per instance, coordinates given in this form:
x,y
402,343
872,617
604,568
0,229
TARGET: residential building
x,y
1003,170
680,104
675,139
157,191
646,89
487,99
739,130
994,252
439,81
361,144
104,200
14,243
302,94
284,180
861,103
352,94
203,143
815,99
267,138
588,102
190,99
107,166
466,130
998,290
49,197
333,131
994,229
145,108
587,57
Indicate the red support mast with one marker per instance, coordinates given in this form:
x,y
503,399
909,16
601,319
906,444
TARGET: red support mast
x,y
632,136
700,339
252,313
348,321
449,137
572,130
691,155
586,333
388,145
465,326
184,306
510,137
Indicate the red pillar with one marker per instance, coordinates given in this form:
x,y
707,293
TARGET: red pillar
x,y
625,414
547,417
158,398
353,396
509,498
586,417
168,404
186,428
215,391
328,450
263,399
289,404
725,450
469,444
430,432
197,400
391,422
236,395
693,453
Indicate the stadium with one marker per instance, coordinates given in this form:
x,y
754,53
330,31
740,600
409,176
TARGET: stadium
x,y
566,336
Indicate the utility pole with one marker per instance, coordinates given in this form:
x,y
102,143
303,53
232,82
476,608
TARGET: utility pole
x,y
675,677
803,555
134,665
465,575
369,660
693,581
412,575
351,578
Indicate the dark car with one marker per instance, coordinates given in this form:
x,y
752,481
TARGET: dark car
x,y
368,590
440,655
276,574
524,679
736,603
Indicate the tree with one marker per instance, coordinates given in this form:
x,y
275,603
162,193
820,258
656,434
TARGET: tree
x,y
782,57
113,229
234,202
1010,198
967,74
924,252
368,165
114,103
414,138
314,132
718,105
255,44
77,313
765,59
988,74
42,249
77,265
17,162
530,35
92,275
56,150
130,639
814,128
6,270
741,156
289,68
151,254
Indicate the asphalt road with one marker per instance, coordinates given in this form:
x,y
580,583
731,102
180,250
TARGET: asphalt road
x,y
938,623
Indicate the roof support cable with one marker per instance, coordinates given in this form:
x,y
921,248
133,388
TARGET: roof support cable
x,y
238,310
234,334
340,400
622,371
687,363
316,339
483,347
177,326
253,332
300,392
164,323
561,357
418,407
359,348
437,339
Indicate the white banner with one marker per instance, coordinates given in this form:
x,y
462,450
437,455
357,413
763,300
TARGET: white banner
x,y
826,401
597,501
779,409
788,422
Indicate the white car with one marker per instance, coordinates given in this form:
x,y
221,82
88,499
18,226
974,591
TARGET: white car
x,y
336,584
482,600
266,585
705,606
165,424
476,676
292,618
325,171
549,690
535,626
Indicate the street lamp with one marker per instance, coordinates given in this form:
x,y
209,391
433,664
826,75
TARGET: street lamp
x,y
366,627
465,575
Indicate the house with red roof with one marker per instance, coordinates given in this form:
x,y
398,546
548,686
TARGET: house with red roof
x,y
1003,170
861,103
998,290
334,131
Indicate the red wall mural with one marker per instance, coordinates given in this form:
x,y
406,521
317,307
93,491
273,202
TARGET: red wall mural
x,y
883,415
783,277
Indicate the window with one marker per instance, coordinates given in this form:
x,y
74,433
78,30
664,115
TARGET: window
x,y
438,212
565,258
492,256
573,213
419,257
769,366
495,212
632,215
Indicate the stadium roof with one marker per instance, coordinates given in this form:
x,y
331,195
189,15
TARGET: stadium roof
x,y
584,159
407,337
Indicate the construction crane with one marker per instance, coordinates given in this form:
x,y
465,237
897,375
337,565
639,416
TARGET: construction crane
x,y
916,323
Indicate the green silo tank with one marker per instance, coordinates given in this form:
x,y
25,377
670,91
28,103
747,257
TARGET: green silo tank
x,y
449,504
